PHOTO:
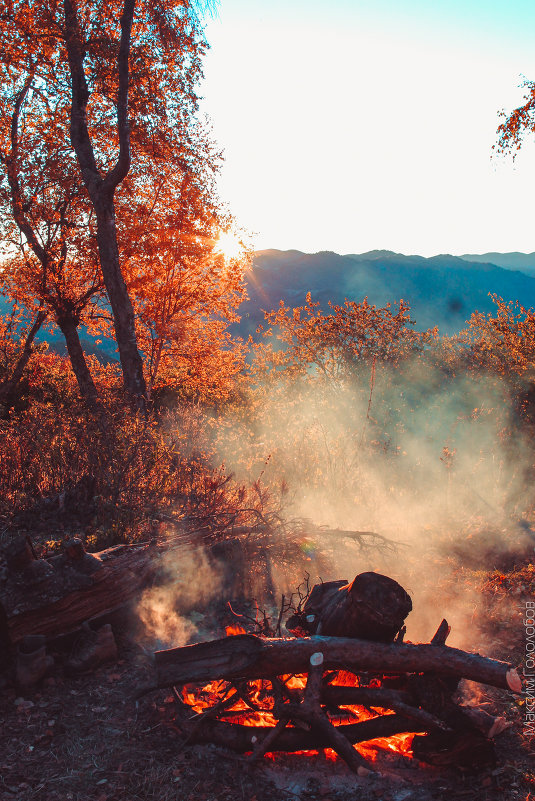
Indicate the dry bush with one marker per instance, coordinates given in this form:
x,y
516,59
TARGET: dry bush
x,y
111,472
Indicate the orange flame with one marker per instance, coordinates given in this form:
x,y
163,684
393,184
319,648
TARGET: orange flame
x,y
259,694
233,630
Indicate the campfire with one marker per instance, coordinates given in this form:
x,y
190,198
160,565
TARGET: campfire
x,y
345,678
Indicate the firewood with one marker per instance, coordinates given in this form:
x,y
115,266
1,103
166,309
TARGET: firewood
x,y
341,695
379,698
469,750
309,711
247,656
371,607
244,739
489,725
441,634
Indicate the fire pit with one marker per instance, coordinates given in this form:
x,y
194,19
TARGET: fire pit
x,y
338,686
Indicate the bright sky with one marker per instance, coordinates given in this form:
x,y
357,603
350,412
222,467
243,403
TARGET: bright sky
x,y
349,125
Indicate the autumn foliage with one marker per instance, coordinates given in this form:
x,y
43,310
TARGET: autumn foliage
x,y
110,221
109,208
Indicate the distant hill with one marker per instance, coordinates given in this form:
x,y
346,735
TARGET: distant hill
x,y
442,290
510,261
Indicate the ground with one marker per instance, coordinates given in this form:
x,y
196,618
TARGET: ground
x,y
87,738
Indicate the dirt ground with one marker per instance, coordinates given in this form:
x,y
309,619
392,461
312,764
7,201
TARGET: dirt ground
x,y
86,738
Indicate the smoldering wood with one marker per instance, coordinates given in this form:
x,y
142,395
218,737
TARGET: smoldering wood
x,y
244,739
334,696
401,702
371,607
340,695
466,748
434,693
310,712
247,656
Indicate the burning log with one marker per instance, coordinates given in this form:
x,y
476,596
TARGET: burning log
x,y
244,739
248,656
399,701
310,713
371,607
305,718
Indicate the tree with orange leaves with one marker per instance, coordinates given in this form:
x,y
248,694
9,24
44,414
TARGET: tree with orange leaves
x,y
94,94
172,233
518,123
504,342
53,258
348,337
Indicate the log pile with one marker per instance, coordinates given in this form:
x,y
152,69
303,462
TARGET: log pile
x,y
352,665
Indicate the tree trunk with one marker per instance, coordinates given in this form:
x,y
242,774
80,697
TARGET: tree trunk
x,y
8,387
101,189
123,312
86,385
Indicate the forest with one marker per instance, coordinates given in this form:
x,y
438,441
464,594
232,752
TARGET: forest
x,y
337,439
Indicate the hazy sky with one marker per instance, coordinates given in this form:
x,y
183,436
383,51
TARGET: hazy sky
x,y
350,125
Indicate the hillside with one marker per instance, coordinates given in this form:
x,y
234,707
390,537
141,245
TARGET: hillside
x,y
442,290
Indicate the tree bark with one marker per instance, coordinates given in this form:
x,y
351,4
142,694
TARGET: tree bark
x,y
101,189
247,656
87,388
121,305
55,596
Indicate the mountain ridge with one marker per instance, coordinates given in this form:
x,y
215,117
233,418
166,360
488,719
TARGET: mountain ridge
x,y
442,290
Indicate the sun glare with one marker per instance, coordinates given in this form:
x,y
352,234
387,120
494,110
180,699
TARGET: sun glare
x,y
229,245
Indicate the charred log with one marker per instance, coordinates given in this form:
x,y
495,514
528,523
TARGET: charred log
x,y
371,607
469,750
244,739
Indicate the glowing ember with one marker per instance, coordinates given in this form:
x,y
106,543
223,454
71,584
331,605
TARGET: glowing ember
x,y
253,703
